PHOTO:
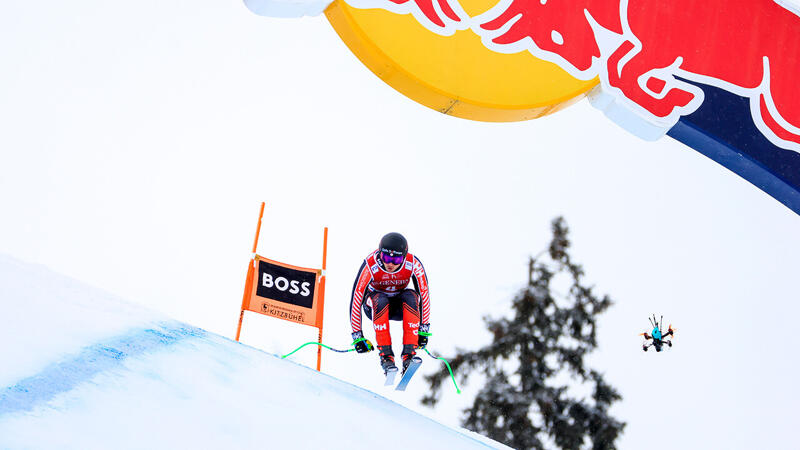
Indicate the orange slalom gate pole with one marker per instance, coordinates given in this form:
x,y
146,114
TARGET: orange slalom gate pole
x,y
321,308
251,268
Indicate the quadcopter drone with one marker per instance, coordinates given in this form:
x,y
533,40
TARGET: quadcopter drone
x,y
659,339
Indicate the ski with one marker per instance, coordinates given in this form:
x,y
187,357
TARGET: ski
x,y
412,368
390,376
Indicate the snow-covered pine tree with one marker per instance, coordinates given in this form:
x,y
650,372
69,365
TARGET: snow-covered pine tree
x,y
521,404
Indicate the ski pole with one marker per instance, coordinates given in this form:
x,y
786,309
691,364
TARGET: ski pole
x,y
370,347
321,345
448,368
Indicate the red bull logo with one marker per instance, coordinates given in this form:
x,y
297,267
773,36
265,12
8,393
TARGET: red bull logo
x,y
644,51
652,66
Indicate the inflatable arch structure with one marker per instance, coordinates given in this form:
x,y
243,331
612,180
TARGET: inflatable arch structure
x,y
721,76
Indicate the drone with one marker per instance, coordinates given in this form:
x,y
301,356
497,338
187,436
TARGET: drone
x,y
659,339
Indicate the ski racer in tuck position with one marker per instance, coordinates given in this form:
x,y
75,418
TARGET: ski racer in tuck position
x,y
382,291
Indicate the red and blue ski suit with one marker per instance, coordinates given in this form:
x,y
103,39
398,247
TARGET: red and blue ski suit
x,y
385,296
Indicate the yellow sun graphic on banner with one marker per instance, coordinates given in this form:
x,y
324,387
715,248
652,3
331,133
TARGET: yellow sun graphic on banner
x,y
433,57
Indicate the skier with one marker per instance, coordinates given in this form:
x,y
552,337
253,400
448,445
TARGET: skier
x,y
382,290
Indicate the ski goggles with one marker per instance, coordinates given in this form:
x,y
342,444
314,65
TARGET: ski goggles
x,y
392,259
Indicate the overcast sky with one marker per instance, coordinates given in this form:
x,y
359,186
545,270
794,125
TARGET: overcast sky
x,y
138,140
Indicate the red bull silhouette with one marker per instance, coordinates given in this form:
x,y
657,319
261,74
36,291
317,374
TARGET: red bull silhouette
x,y
443,17
431,13
651,45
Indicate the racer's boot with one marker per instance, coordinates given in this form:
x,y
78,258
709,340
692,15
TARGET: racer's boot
x,y
387,358
408,353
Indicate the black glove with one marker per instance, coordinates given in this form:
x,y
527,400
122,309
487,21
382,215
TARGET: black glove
x,y
362,345
423,334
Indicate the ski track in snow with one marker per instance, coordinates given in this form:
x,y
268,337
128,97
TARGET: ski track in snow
x,y
65,375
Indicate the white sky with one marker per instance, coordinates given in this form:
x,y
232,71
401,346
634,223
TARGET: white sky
x,y
137,142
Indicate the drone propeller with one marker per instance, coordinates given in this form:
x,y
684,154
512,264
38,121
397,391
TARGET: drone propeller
x,y
670,329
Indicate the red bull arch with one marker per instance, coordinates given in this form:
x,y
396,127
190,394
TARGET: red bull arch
x,y
718,75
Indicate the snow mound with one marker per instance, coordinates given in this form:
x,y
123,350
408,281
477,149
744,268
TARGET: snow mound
x,y
85,370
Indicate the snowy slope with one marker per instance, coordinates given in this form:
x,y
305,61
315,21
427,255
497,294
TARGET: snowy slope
x,y
82,369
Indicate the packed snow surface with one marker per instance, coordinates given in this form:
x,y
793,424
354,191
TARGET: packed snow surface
x,y
85,370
